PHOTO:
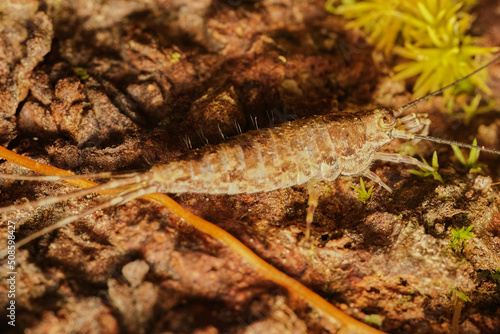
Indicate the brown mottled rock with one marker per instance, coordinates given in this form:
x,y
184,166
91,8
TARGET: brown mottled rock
x,y
26,38
218,113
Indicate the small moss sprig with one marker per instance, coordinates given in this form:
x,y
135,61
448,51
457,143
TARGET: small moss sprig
x,y
495,275
375,319
460,295
471,162
473,108
81,73
426,173
459,238
176,56
433,37
363,194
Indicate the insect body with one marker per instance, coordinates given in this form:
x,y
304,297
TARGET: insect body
x,y
313,149
319,148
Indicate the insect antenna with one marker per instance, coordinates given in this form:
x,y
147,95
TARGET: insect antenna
x,y
114,184
405,135
117,200
439,91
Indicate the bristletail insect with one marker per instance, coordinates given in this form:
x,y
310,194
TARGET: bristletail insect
x,y
305,151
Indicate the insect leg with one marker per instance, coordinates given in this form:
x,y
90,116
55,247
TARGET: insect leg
x,y
115,184
312,203
375,178
425,130
416,123
118,200
394,157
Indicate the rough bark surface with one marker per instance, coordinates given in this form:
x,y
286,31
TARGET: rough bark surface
x,y
118,85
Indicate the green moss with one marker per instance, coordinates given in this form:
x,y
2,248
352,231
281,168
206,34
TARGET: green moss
x,y
459,238
176,56
426,173
460,295
374,319
473,108
363,194
431,35
495,275
471,162
81,73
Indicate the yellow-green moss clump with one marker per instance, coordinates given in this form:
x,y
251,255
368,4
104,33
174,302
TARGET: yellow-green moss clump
x,y
431,34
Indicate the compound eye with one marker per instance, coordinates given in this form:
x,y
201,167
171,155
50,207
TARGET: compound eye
x,y
386,122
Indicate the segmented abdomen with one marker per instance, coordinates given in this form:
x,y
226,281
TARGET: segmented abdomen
x,y
261,160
